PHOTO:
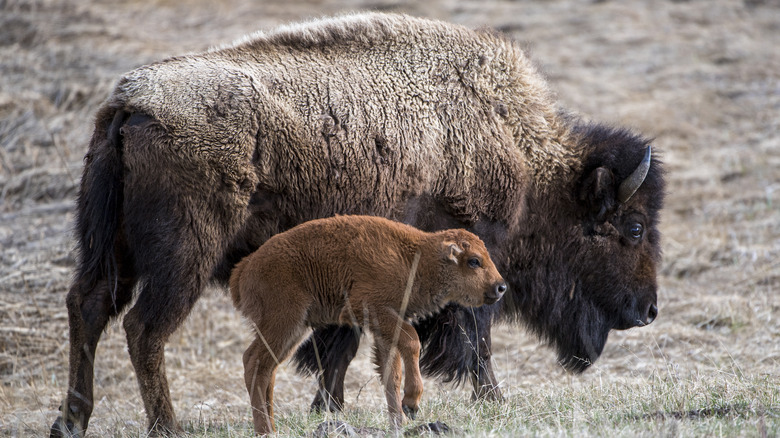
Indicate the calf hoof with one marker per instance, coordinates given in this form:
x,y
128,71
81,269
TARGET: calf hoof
x,y
334,428
410,412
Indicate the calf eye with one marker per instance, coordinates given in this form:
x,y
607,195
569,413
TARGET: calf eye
x,y
636,231
474,263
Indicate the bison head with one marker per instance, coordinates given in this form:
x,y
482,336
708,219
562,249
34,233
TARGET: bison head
x,y
592,251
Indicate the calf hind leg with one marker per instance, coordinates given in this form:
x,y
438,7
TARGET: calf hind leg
x,y
276,337
259,372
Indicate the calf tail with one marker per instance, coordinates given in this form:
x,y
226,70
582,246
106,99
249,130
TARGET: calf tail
x,y
99,204
235,276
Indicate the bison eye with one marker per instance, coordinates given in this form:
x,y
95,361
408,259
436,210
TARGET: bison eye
x,y
474,263
636,231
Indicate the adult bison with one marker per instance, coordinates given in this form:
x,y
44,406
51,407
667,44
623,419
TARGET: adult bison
x,y
195,161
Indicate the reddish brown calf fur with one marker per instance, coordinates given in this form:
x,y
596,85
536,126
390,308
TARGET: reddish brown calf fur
x,y
355,270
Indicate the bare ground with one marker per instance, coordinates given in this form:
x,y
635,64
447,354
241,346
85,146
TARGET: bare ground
x,y
702,77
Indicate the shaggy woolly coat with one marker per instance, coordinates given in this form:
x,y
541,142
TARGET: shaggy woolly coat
x,y
358,114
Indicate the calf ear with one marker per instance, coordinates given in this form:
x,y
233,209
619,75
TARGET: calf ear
x,y
598,193
451,251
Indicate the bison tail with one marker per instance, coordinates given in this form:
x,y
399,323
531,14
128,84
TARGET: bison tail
x,y
99,204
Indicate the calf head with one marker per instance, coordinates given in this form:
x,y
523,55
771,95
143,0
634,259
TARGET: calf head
x,y
470,276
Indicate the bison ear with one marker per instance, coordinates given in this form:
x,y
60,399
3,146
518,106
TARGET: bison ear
x,y
598,193
451,251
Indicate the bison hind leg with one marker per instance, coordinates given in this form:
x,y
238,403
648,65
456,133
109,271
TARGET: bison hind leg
x,y
91,305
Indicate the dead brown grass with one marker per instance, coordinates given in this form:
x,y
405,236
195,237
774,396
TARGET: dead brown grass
x,y
703,77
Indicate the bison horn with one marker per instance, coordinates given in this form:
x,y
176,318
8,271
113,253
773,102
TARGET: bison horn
x,y
631,184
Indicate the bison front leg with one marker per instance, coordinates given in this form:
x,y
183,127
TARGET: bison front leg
x,y
327,353
483,380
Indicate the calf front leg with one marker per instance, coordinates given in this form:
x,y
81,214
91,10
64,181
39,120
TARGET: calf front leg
x,y
388,362
409,347
391,333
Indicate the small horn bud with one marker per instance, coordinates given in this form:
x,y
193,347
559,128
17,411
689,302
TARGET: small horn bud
x,y
452,251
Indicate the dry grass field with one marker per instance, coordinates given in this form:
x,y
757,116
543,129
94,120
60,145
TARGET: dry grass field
x,y
701,76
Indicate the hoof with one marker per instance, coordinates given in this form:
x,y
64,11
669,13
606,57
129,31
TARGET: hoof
x,y
65,429
410,413
334,428
321,405
171,430
488,393
73,425
330,429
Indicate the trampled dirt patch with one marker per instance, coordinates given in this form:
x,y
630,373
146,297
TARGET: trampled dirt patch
x,y
701,76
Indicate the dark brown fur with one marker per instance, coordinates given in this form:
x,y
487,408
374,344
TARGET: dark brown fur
x,y
198,160
358,271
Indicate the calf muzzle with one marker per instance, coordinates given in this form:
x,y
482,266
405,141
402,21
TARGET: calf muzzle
x,y
495,293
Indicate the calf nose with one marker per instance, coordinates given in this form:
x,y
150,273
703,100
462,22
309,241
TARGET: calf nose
x,y
496,293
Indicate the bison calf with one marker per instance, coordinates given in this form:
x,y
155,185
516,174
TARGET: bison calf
x,y
361,271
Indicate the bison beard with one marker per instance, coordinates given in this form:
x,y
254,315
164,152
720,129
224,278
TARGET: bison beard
x,y
195,161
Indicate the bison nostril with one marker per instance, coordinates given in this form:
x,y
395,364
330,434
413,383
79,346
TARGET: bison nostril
x,y
652,312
